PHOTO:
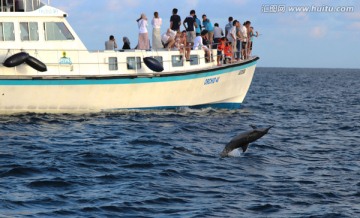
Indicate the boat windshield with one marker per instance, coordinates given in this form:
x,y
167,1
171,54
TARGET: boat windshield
x,y
57,31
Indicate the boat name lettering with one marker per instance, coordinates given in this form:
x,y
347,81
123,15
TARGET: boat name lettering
x,y
241,72
211,81
48,11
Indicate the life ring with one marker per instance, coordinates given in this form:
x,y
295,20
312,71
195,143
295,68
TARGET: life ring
x,y
16,59
153,64
36,64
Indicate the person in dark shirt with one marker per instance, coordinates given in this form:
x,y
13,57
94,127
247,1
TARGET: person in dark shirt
x,y
175,21
126,43
190,26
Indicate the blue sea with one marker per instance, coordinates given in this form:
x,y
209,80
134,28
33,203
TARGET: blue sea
x,y
167,163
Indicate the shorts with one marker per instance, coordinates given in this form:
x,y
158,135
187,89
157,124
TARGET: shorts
x,y
205,48
243,45
190,36
211,35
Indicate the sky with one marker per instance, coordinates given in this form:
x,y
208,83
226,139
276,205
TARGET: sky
x,y
321,37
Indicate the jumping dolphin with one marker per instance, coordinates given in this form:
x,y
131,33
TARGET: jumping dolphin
x,y
244,139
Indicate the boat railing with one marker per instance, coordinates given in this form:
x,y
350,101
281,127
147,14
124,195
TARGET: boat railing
x,y
98,62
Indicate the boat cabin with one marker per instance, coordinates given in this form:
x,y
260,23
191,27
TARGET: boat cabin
x,y
43,32
20,5
31,24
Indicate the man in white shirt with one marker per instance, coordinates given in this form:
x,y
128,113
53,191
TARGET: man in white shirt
x,y
168,38
198,44
111,44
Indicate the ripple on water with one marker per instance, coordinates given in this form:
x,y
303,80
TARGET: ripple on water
x,y
167,163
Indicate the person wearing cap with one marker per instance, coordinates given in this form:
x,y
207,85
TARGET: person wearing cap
x,y
143,43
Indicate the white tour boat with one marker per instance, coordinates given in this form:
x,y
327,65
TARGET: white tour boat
x,y
47,69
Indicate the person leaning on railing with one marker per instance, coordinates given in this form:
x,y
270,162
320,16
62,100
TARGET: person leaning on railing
x,y
199,44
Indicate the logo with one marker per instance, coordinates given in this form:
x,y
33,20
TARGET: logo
x,y
241,72
65,60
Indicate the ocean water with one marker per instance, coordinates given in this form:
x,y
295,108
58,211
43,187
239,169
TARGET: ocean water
x,y
167,163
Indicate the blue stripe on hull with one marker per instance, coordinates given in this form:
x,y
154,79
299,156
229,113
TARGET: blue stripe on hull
x,y
113,81
229,106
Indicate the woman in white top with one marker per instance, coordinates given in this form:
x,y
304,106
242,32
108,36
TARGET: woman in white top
x,y
156,34
143,43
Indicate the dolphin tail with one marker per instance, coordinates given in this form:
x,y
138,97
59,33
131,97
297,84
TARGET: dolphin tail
x,y
244,147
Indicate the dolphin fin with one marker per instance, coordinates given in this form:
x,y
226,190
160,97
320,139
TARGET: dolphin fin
x,y
253,126
245,147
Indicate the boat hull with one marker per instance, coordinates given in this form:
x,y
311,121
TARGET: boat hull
x,y
218,87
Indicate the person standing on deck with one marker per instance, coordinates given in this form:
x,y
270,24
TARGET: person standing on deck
x,y
231,36
175,21
143,43
252,34
156,35
190,25
238,42
218,34
244,34
198,28
208,27
228,26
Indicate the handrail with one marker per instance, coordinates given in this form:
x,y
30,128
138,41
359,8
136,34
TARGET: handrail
x,y
78,63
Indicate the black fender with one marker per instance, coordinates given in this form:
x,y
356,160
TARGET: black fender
x,y
36,64
16,59
153,64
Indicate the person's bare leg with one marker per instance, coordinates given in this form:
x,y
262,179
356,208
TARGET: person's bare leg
x,y
187,53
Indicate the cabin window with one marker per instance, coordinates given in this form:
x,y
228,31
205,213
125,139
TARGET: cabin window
x,y
56,31
29,31
113,63
194,59
177,61
7,31
133,63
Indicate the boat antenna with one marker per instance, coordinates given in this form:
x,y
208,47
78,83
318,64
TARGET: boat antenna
x,y
49,2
